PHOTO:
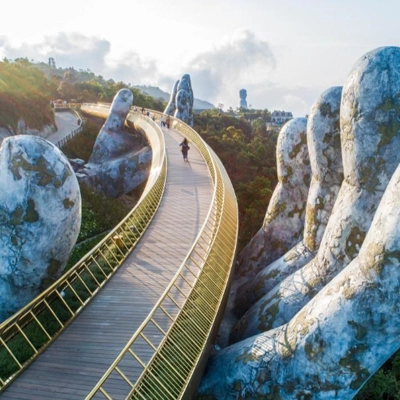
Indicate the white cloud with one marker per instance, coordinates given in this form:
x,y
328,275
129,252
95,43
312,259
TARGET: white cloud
x,y
243,61
85,52
230,66
295,102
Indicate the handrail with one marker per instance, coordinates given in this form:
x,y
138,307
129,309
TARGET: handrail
x,y
178,331
62,142
29,332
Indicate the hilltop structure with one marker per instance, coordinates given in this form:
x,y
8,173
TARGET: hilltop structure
x,y
243,95
279,118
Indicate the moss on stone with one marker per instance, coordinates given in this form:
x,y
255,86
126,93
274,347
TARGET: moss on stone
x,y
289,386
54,266
289,173
326,110
350,360
390,128
340,257
272,274
268,313
261,281
303,323
237,386
297,210
273,310
262,375
43,171
298,146
279,208
348,290
68,203
361,330
368,175
16,216
313,283
3,217
31,214
375,259
307,180
274,393
389,255
290,256
313,222
327,138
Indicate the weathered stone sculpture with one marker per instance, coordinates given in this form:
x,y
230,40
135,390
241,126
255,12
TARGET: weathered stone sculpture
x,y
370,134
323,138
284,221
243,95
40,216
180,104
170,109
337,341
116,165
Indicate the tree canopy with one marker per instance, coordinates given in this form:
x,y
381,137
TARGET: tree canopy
x,y
27,89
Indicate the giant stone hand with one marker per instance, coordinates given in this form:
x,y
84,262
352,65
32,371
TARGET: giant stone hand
x,y
40,216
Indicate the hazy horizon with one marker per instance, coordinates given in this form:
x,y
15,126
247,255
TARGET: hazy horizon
x,y
285,54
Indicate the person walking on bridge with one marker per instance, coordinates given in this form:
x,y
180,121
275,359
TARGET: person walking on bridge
x,y
184,149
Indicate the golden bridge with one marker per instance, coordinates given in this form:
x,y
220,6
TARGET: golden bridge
x,y
136,317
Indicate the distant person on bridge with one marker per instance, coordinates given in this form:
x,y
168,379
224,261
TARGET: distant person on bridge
x,y
184,149
162,121
167,121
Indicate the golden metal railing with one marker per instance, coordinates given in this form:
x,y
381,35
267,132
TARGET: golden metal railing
x,y
165,357
28,332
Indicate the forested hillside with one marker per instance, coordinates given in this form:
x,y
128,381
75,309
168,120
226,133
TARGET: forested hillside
x,y
247,151
24,92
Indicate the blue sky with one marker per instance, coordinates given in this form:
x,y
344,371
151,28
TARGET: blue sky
x,y
284,53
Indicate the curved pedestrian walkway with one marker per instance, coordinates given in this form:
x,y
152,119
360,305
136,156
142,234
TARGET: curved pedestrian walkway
x,y
74,363
66,122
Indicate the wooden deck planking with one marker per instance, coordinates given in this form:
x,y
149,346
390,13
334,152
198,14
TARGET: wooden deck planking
x,y
73,364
